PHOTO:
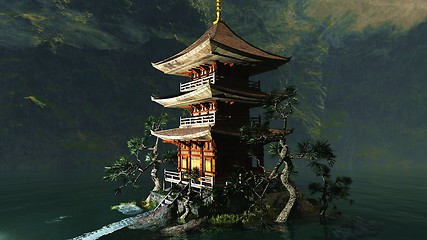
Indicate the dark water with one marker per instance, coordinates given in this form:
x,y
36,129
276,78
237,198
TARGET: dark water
x,y
56,205
396,198
62,206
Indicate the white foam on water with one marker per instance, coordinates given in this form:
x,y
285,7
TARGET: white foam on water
x,y
58,219
114,226
110,228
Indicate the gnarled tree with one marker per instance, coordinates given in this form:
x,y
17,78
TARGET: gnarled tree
x,y
145,155
278,108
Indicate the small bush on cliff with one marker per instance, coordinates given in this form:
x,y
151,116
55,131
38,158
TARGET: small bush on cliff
x,y
225,219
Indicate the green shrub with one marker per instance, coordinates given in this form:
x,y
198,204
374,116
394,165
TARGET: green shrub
x,y
225,219
148,205
115,207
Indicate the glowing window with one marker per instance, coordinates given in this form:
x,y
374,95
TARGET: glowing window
x,y
208,165
184,163
195,162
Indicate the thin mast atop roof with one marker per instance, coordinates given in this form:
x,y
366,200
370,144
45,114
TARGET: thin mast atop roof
x,y
218,12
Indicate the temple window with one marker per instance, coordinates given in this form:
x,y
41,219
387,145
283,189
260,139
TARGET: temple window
x,y
208,164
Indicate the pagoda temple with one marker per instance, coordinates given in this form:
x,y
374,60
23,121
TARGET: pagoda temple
x,y
218,96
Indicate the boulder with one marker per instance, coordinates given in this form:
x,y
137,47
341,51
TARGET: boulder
x,y
129,209
154,219
189,227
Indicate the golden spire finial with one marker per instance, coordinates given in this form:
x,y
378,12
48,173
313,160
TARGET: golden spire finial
x,y
218,11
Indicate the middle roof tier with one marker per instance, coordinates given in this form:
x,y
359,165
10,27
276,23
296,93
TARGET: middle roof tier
x,y
210,92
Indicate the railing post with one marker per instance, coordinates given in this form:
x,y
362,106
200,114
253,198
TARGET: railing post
x,y
189,86
204,119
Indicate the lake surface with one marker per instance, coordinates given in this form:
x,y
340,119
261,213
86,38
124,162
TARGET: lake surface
x,y
35,205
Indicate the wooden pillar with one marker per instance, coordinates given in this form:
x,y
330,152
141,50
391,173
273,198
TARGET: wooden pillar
x,y
201,170
213,161
179,156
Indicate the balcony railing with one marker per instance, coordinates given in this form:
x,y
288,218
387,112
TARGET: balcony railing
x,y
199,120
177,178
202,182
190,86
173,177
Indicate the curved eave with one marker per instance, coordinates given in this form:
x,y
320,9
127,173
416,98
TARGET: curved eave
x,y
222,44
180,63
210,51
259,64
226,36
202,93
184,134
209,93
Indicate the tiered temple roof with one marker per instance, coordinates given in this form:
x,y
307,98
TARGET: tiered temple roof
x,y
220,43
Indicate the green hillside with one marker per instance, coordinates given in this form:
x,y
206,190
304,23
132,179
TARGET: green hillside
x,y
76,75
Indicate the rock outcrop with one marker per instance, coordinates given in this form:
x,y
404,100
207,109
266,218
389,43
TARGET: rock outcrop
x,y
189,227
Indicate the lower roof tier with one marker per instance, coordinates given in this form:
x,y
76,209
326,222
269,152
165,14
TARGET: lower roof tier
x,y
210,93
185,134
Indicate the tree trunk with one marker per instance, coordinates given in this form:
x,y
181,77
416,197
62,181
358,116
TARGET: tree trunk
x,y
156,166
284,177
155,178
322,214
324,206
186,204
283,216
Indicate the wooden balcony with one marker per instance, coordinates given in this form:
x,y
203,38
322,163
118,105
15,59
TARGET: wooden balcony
x,y
178,178
204,120
172,177
194,84
202,182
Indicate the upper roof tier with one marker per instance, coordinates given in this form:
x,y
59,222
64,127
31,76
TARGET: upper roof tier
x,y
220,43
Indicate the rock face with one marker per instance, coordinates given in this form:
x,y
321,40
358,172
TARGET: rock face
x,y
303,207
190,227
154,219
157,198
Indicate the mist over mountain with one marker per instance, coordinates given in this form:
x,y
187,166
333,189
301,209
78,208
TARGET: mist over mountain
x,y
76,78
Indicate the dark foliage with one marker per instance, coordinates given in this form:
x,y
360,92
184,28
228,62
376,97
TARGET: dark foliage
x,y
336,189
129,171
318,153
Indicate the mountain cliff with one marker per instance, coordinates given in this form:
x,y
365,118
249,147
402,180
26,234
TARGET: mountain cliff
x,y
76,77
